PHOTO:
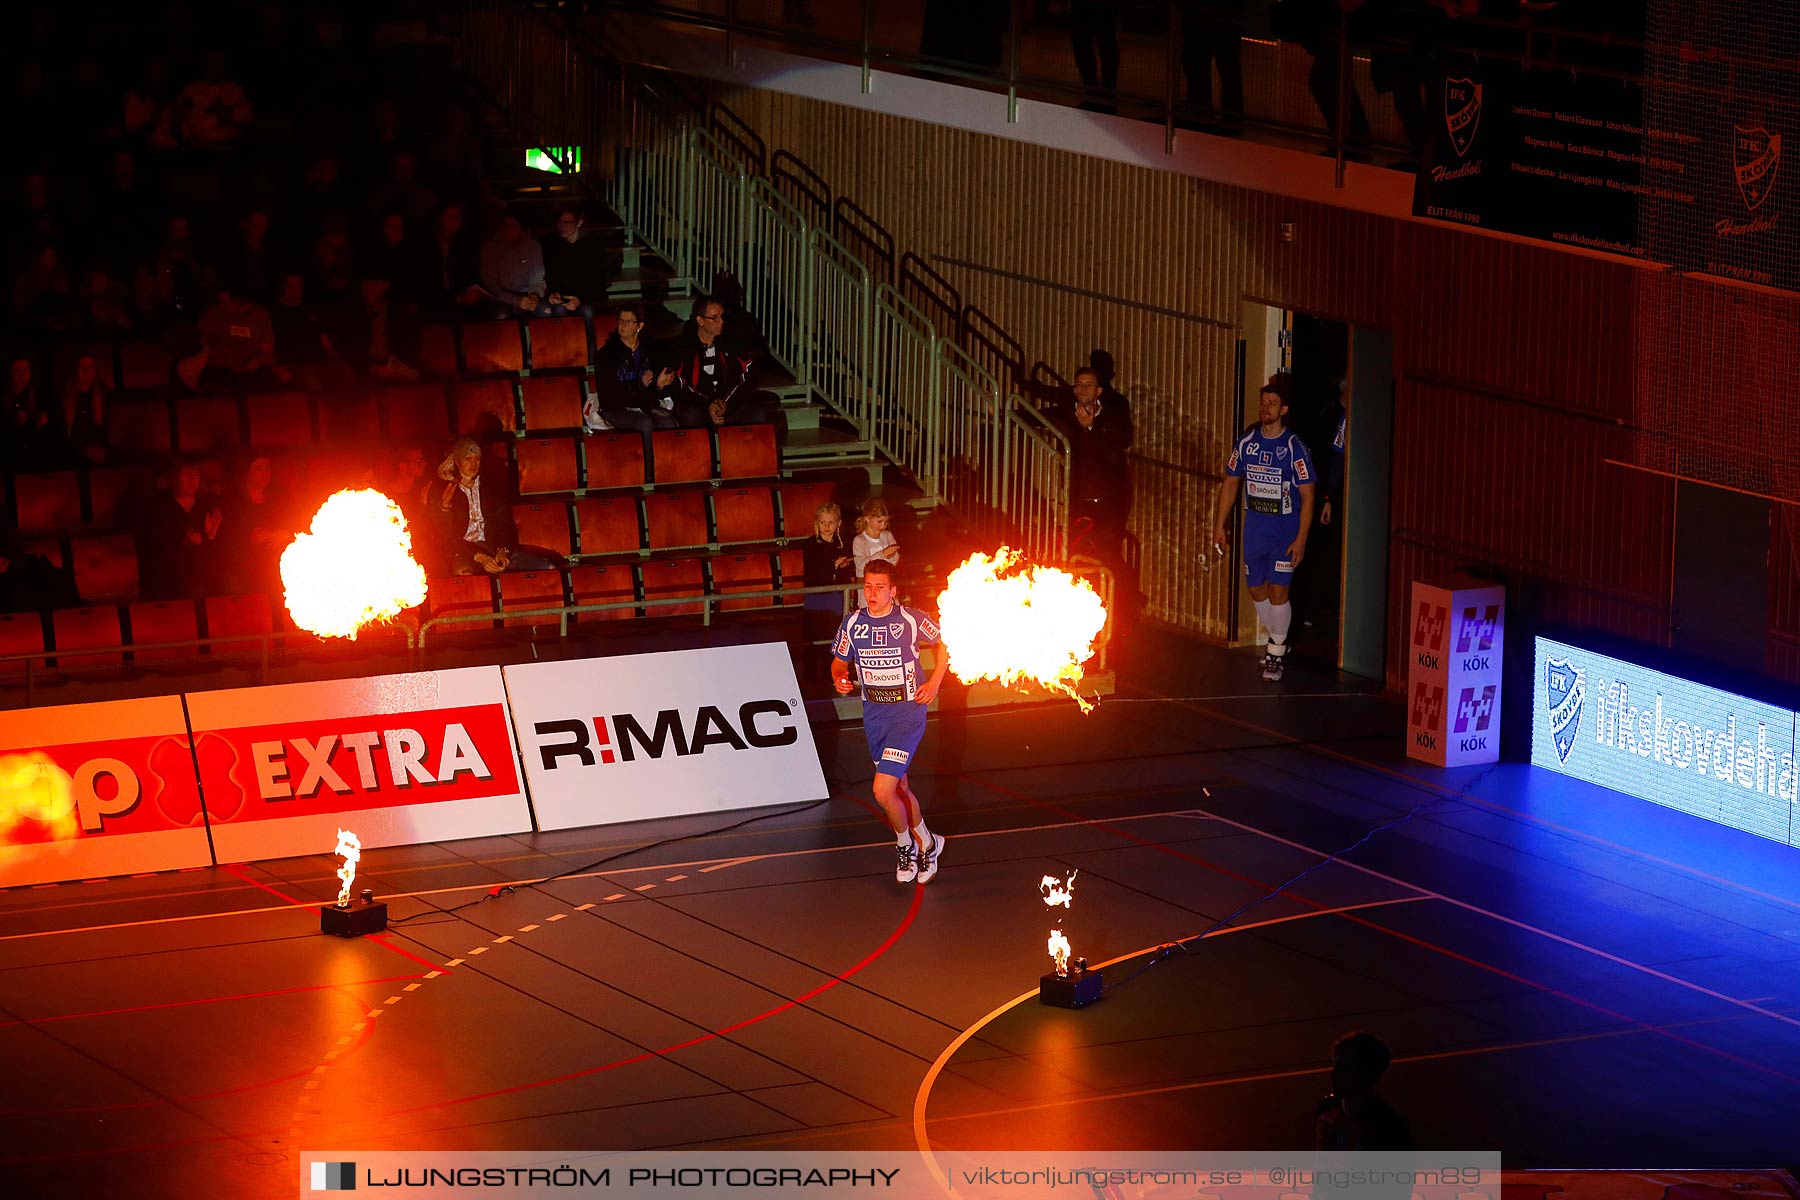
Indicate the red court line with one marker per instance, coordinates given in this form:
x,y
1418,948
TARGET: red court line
x,y
315,904
137,1008
1432,946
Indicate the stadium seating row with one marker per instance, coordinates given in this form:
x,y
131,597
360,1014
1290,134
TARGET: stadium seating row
x,y
424,412
105,566
117,629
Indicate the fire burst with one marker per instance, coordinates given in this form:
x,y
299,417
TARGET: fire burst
x,y
355,567
1059,951
1059,891
349,848
37,800
1010,623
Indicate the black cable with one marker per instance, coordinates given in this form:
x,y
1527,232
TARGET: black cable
x,y
1168,949
504,889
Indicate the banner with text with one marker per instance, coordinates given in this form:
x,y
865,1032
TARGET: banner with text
x,y
1659,737
97,789
657,735
397,759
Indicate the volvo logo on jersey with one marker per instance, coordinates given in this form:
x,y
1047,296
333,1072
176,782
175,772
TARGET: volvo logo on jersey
x,y
648,735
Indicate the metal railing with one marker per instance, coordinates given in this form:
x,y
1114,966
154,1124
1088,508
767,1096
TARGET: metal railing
x,y
696,199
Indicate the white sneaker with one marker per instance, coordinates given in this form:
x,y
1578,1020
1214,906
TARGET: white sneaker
x,y
1272,667
928,869
907,868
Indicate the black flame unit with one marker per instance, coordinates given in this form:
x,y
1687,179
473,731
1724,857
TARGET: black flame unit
x,y
354,920
1078,989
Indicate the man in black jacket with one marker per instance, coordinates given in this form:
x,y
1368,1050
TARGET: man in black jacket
x,y
717,376
634,388
1097,422
575,266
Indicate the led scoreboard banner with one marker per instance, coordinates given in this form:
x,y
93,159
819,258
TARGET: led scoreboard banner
x,y
1701,750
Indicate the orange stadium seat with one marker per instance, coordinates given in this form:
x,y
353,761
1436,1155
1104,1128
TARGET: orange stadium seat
x,y
558,343
741,573
748,452
489,346
47,503
415,411
480,404
139,428
164,621
675,520
608,525
144,366
437,350
680,455
614,460
792,567
280,420
106,567
522,591
799,503
665,578
744,514
552,403
233,616
545,525
608,584
348,417
207,424
547,464
114,493
94,628
51,550
604,324
454,595
20,633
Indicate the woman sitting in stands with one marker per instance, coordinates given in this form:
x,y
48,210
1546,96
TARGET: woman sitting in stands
x,y
476,514
257,527
179,552
85,398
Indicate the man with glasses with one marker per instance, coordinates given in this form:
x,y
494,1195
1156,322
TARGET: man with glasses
x,y
717,377
574,265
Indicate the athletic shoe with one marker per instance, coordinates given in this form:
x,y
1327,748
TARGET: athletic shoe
x,y
928,869
1272,666
907,869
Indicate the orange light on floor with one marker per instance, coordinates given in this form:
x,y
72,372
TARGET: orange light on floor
x,y
37,800
353,568
1010,623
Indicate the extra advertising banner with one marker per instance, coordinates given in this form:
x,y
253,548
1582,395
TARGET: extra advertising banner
x,y
1454,665
658,735
98,789
1684,745
397,759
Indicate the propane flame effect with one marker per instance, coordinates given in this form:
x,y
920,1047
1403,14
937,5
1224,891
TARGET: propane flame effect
x,y
1059,891
349,847
355,567
1010,623
1059,951
37,800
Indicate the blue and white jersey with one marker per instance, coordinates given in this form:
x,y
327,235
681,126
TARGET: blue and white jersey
x,y
885,651
1271,470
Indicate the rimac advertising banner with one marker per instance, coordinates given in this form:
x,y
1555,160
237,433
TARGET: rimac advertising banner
x,y
98,789
398,759
1674,742
659,735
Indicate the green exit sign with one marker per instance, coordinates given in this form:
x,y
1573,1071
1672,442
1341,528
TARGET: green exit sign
x,y
557,160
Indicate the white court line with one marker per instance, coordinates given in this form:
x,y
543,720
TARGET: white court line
x,y
517,883
1746,1005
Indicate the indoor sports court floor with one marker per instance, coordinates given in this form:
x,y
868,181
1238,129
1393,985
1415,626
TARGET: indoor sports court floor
x,y
1565,974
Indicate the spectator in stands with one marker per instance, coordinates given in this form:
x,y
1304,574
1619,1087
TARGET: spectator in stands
x,y
1094,36
34,221
715,376
106,305
1099,436
212,111
574,264
177,549
450,265
409,485
177,276
828,563
369,337
256,527
1353,1117
321,203
453,159
147,111
42,298
30,582
248,261
512,269
299,335
633,391
475,514
1321,27
873,537
1213,34
240,342
85,400
125,211
30,430
403,193
393,256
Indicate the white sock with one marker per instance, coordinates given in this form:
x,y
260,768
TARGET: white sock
x,y
924,836
1280,617
903,838
1262,612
